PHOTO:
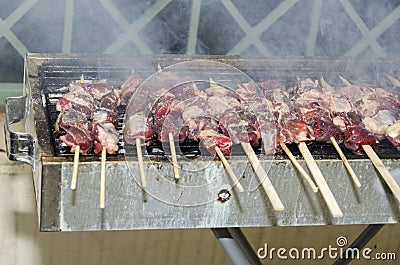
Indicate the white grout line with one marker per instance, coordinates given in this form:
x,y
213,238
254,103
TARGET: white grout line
x,y
68,23
18,13
115,14
372,35
6,24
9,90
193,27
361,26
10,87
15,42
263,25
314,24
131,33
251,38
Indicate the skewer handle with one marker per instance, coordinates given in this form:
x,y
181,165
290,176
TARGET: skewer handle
x,y
263,177
345,162
140,161
393,80
390,181
75,168
324,83
103,178
344,80
320,180
229,169
173,155
299,167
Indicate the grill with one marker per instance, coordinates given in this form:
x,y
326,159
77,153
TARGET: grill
x,y
128,207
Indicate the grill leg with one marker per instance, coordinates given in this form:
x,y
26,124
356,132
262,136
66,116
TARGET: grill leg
x,y
241,240
361,241
236,246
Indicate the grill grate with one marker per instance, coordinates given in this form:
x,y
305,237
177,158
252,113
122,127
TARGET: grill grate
x,y
54,78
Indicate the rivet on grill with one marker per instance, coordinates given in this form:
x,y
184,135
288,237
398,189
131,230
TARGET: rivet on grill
x,y
224,195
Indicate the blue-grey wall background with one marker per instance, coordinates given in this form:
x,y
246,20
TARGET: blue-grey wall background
x,y
289,28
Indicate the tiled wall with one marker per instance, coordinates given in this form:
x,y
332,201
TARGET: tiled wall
x,y
350,28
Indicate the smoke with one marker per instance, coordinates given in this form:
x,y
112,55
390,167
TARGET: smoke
x,y
98,26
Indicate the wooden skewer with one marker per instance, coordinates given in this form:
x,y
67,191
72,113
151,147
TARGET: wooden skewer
x,y
390,181
324,83
344,80
212,82
140,161
393,80
159,67
337,147
222,157
345,162
75,168
320,180
76,155
103,177
229,169
263,177
299,167
173,155
369,148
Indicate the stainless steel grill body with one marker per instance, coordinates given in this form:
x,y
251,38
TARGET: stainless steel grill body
x,y
128,207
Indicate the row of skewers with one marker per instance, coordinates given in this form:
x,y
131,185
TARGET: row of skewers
x,y
358,116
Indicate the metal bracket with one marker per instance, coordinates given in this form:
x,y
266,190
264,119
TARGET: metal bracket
x,y
19,145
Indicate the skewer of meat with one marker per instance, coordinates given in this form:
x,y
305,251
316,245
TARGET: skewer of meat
x,y
184,121
379,110
179,104
267,126
174,158
294,129
76,160
377,162
106,100
76,110
318,105
136,127
238,124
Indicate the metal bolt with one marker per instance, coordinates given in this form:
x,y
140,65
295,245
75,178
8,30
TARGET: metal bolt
x,y
224,195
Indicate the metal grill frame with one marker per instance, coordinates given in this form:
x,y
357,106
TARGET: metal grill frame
x,y
59,209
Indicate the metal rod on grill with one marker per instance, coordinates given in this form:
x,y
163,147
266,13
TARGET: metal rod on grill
x,y
141,165
103,177
390,181
173,155
263,177
320,180
229,169
75,168
299,167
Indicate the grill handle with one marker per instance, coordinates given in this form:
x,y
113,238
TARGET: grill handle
x,y
19,145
